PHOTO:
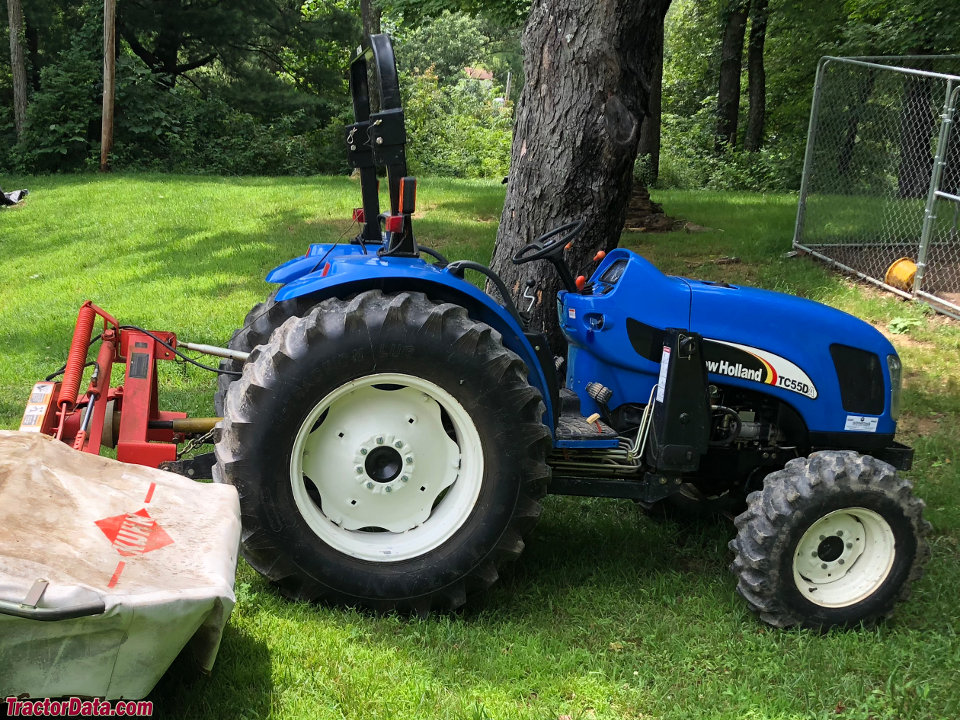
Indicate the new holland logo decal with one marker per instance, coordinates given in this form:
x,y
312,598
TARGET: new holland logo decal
x,y
749,363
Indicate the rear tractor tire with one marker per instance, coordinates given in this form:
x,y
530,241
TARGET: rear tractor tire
x,y
833,540
388,451
258,326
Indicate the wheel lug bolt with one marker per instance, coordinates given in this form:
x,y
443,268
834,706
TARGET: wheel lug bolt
x,y
363,451
370,487
839,533
390,489
404,478
379,441
398,444
841,561
813,554
823,537
409,459
823,566
359,470
849,545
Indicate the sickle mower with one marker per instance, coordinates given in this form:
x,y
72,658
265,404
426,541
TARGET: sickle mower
x,y
391,428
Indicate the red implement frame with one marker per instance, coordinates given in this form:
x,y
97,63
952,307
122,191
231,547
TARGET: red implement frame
x,y
83,417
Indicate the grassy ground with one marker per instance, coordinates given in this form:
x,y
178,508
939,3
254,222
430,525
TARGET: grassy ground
x,y
608,614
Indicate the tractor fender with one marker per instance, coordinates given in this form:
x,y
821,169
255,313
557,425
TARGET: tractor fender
x,y
346,276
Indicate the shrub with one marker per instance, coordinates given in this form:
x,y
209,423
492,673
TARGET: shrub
x,y
689,160
460,130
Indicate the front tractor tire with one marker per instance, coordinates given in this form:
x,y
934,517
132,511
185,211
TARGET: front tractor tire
x,y
388,451
833,540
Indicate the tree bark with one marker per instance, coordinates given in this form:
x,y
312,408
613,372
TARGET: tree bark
x,y
370,16
17,65
731,62
650,127
853,113
109,76
33,53
588,73
756,77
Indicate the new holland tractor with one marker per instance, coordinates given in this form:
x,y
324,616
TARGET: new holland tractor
x,y
391,428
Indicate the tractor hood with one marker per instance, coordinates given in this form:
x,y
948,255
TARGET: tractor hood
x,y
783,324
830,365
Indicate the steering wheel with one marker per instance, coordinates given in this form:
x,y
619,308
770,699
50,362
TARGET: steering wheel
x,y
551,244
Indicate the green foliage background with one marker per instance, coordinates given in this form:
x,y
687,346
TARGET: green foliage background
x,y
275,98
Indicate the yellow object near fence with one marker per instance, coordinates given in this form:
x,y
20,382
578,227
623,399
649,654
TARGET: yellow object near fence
x,y
900,274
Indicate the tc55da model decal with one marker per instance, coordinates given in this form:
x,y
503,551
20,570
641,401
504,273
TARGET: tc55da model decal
x,y
749,363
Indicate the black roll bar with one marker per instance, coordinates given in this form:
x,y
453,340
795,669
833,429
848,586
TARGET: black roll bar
x,y
378,139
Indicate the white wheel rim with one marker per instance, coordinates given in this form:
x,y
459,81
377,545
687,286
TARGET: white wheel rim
x,y
375,473
844,557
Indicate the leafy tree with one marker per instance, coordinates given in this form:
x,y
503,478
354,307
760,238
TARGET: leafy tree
x,y
446,43
173,37
458,130
509,13
904,27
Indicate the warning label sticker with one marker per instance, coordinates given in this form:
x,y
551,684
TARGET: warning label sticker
x,y
860,423
33,414
664,367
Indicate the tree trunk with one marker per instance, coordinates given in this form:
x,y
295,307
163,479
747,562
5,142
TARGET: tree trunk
x,y
917,137
650,127
588,74
857,105
109,75
731,62
756,77
370,15
33,53
17,65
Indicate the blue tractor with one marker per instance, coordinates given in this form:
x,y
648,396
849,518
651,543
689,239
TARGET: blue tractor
x,y
395,427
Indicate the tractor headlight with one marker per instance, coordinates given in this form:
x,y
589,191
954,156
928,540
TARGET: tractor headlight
x,y
896,382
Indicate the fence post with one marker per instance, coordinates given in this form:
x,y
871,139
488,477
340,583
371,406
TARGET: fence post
x,y
939,160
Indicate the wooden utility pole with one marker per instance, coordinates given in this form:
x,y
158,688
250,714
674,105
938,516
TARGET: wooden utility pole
x,y
17,65
109,76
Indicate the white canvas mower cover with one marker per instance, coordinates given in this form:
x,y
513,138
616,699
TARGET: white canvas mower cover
x,y
107,570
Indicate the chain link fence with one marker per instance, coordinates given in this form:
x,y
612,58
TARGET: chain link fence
x,y
880,194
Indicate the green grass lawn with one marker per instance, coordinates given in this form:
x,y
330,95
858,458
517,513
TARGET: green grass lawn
x,y
608,614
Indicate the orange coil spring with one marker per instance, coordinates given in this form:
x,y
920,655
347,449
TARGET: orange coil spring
x,y
78,356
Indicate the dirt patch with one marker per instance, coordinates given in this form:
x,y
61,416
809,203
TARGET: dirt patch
x,y
942,277
902,340
644,215
919,426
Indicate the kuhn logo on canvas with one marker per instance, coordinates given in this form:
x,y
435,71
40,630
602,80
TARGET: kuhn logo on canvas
x,y
134,533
